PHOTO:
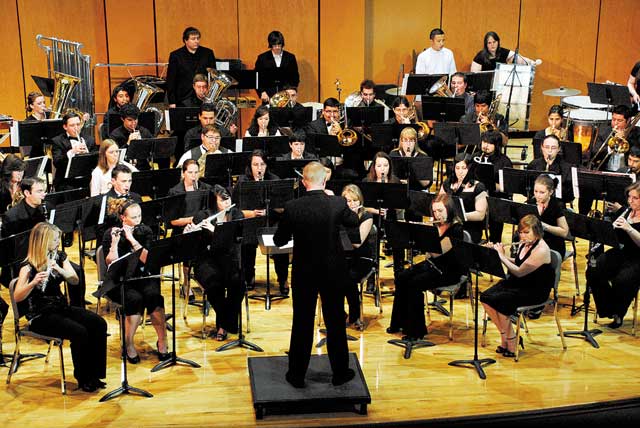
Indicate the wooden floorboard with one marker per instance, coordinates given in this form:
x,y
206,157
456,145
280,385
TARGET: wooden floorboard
x,y
423,387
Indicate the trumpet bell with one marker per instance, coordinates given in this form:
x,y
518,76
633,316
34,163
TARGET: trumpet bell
x,y
347,137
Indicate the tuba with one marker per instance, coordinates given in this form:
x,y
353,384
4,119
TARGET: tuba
x,y
64,84
226,113
441,89
281,99
218,83
142,97
353,99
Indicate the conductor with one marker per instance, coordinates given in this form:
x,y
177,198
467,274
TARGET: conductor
x,y
319,266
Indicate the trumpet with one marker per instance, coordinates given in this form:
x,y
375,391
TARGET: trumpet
x,y
346,136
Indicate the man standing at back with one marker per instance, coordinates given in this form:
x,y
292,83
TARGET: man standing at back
x,y
319,266
437,59
184,64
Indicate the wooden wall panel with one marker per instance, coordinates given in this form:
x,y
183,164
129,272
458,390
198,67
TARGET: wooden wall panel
x,y
123,48
85,25
300,29
465,22
566,43
13,98
618,48
392,35
342,36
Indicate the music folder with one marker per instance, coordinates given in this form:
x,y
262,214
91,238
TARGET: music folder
x,y
442,109
419,84
36,167
181,119
272,145
35,133
81,165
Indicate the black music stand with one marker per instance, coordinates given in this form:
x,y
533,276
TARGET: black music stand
x,y
482,80
594,230
603,185
154,183
68,217
520,181
224,236
268,248
507,211
383,195
81,165
181,119
420,202
610,94
123,268
423,237
162,210
569,151
38,133
292,117
272,145
420,84
169,251
268,195
479,259
324,145
416,168
484,173
364,116
45,84
458,134
225,165
290,168
152,149
442,109
56,198
37,167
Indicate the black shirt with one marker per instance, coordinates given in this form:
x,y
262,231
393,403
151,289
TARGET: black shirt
x,y
489,64
183,65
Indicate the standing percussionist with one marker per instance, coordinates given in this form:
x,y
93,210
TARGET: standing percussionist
x,y
184,64
319,266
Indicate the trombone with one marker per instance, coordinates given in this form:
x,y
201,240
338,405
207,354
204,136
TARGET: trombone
x,y
346,137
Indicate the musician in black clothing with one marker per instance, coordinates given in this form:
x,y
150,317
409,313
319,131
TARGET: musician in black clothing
x,y
614,277
119,97
200,89
491,145
11,173
129,130
189,183
121,183
482,101
297,145
277,59
36,107
551,162
218,269
184,64
29,211
605,158
555,120
65,146
207,116
257,171
493,53
326,124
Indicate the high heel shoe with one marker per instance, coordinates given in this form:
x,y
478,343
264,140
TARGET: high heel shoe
x,y
162,356
511,354
133,360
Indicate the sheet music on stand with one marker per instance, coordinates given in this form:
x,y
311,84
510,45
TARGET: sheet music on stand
x,y
609,94
36,167
81,165
419,84
480,81
521,77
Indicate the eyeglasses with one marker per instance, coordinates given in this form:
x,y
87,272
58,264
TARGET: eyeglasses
x,y
213,137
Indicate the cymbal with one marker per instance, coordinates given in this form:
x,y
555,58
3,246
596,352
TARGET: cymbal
x,y
561,92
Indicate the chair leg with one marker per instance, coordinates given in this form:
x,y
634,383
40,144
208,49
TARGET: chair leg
x,y
203,331
246,309
635,314
16,360
63,380
46,359
485,318
451,297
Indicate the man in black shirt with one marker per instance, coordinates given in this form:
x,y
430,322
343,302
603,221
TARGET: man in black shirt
x,y
207,116
65,146
129,130
184,64
200,90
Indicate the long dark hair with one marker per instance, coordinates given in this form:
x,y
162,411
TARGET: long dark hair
x,y
253,126
371,176
461,157
485,51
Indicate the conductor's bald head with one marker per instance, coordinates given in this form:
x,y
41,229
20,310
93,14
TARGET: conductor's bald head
x,y
314,176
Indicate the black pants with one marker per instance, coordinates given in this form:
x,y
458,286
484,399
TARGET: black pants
x,y
613,282
280,262
407,312
357,270
305,297
222,283
88,335
77,292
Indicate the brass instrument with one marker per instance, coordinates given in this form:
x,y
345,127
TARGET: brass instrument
x,y
561,132
141,98
616,141
346,136
281,99
441,89
490,124
218,83
226,113
64,84
353,99
382,103
412,116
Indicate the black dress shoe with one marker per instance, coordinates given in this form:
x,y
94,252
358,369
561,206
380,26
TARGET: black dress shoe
x,y
284,289
133,360
616,323
343,378
87,386
100,384
162,356
412,338
295,382
392,330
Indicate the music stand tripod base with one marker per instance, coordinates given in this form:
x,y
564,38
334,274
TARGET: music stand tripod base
x,y
125,389
322,341
410,345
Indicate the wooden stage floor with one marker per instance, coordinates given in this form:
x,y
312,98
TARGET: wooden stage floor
x,y
421,388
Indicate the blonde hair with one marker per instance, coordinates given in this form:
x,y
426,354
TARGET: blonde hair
x,y
102,154
40,238
355,193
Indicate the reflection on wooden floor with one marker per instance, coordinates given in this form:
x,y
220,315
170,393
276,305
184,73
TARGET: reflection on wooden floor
x,y
422,387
